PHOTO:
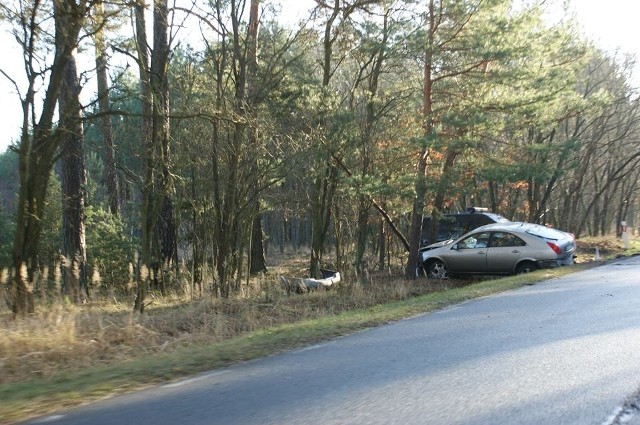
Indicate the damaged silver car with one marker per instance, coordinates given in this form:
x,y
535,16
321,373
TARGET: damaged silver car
x,y
499,249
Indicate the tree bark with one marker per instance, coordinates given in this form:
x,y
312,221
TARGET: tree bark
x,y
38,145
73,179
160,88
110,174
323,186
415,229
147,219
257,260
364,204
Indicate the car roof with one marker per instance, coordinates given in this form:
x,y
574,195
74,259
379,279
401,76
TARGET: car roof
x,y
522,227
495,216
507,225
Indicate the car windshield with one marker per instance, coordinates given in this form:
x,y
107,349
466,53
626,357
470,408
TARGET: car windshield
x,y
545,232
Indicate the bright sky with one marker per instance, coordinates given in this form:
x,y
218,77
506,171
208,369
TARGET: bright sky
x,y
612,24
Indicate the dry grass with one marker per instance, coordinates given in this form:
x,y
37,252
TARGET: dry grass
x,y
66,337
607,248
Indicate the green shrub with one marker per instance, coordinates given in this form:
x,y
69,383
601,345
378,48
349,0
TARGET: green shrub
x,y
110,250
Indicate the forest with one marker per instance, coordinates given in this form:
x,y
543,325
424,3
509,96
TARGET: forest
x,y
192,141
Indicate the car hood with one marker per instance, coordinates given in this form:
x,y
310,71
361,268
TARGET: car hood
x,y
436,245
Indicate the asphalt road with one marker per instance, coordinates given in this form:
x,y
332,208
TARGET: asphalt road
x,y
565,351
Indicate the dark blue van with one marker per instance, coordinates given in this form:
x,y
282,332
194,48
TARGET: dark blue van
x,y
451,226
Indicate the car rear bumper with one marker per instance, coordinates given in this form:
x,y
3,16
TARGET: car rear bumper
x,y
566,261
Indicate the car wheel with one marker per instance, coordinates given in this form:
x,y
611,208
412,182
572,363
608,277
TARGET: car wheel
x,y
437,270
526,267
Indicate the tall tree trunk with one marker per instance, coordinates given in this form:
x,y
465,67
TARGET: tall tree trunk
x,y
443,185
415,229
38,145
382,244
197,260
324,189
217,189
160,88
110,174
73,178
364,203
362,233
147,219
230,218
257,260
323,186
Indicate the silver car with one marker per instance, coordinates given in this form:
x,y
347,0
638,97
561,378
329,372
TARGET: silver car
x,y
499,248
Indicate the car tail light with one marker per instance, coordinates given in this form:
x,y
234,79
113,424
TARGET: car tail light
x,y
555,248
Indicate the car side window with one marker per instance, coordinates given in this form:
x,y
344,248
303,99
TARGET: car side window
x,y
503,239
477,240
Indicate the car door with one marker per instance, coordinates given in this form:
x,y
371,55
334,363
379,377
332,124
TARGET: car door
x,y
470,254
505,249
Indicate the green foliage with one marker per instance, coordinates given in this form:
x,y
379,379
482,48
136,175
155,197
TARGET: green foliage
x,y
110,249
51,238
9,181
7,235
527,114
